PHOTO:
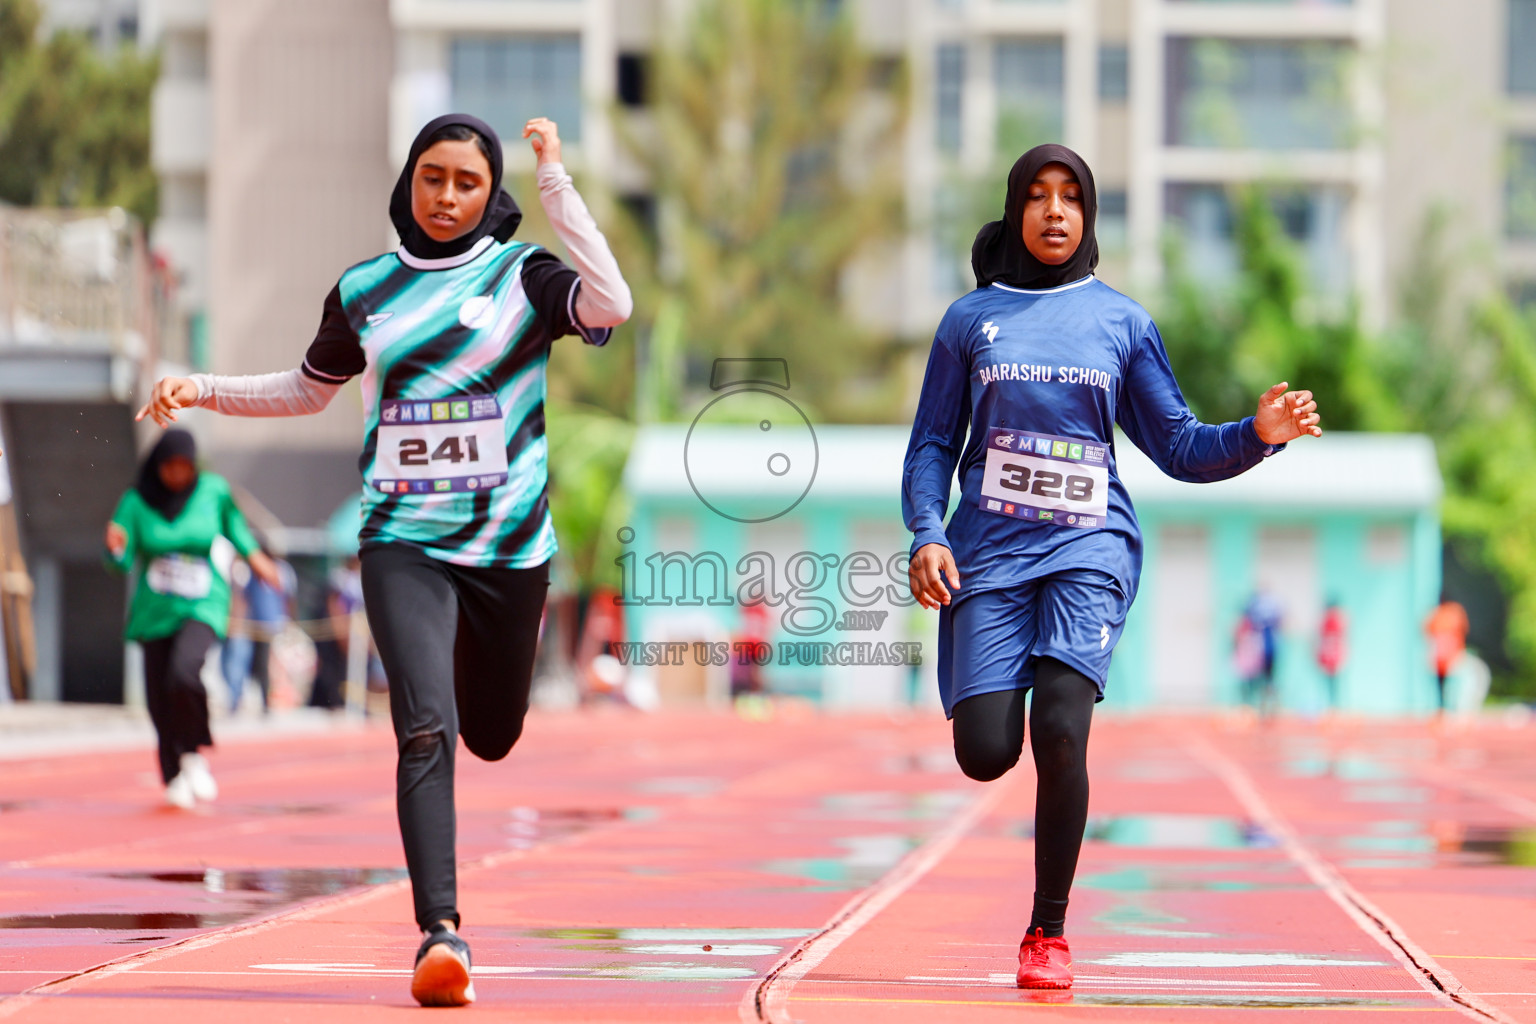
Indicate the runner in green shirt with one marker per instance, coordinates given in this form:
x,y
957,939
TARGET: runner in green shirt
x,y
178,531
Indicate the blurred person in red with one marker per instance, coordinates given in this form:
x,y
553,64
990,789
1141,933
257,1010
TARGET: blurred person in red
x,y
1447,628
746,673
602,674
1332,648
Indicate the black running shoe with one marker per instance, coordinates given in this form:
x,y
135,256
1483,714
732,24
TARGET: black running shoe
x,y
442,970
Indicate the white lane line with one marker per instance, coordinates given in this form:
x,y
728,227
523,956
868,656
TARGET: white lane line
x,y
1456,780
14,1004
768,1001
1370,918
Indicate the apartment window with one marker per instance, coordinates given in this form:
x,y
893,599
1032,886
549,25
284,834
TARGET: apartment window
x,y
1522,46
1523,294
1030,76
1112,227
949,79
954,224
506,80
1114,73
1258,94
184,56
1520,190
634,80
1312,217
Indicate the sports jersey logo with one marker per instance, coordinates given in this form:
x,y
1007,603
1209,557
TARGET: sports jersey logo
x,y
990,330
374,319
477,313
1103,637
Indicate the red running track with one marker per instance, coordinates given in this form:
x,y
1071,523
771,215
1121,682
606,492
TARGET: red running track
x,y
701,867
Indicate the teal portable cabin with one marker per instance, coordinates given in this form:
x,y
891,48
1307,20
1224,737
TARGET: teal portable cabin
x,y
1351,518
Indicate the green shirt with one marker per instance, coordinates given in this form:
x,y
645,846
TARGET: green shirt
x,y
181,566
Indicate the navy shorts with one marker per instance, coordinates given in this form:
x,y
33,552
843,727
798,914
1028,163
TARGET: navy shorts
x,y
989,640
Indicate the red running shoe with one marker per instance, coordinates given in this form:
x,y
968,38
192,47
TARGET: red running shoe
x,y
1043,962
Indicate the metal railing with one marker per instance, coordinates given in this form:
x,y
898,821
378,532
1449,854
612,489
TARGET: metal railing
x,y
85,279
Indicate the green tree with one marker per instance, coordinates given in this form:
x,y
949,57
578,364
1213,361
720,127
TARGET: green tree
x,y
1227,346
74,124
588,448
1488,455
1462,370
773,149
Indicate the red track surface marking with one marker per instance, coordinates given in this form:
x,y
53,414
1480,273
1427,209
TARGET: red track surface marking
x,y
770,1000
604,856
1371,920
1420,821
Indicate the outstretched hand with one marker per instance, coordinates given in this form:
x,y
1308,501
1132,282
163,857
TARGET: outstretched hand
x,y
266,570
545,139
1286,415
931,574
170,394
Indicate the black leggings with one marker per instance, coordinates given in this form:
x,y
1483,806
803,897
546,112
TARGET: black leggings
x,y
173,689
989,737
457,644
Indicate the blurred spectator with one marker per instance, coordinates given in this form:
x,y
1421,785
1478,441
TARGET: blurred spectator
x,y
259,614
1248,658
343,599
746,673
178,530
1332,648
602,675
1447,628
1258,642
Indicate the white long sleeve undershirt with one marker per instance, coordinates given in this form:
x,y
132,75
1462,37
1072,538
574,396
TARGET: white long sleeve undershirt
x,y
289,393
603,299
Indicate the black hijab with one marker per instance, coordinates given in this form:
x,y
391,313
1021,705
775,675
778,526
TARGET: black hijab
x,y
999,253
501,216
152,489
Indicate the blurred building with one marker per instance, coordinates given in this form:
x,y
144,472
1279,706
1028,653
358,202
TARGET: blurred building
x,y
82,324
1358,116
270,136
112,23
1351,518
279,125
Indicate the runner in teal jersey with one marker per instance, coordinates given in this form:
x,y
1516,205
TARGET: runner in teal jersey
x,y
450,335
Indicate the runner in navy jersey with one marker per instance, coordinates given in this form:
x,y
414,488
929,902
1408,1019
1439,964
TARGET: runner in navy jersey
x,y
450,336
1028,377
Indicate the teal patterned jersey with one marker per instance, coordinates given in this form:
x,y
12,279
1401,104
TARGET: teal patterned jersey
x,y
452,356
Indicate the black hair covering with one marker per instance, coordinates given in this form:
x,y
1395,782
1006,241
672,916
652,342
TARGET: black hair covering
x,y
501,216
999,253
151,488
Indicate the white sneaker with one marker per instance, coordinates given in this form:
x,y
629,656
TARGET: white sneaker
x,y
194,768
178,792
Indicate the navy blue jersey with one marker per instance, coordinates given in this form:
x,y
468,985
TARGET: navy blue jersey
x,y
1022,394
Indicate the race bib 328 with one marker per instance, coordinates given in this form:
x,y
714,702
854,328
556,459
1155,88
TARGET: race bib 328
x,y
1045,478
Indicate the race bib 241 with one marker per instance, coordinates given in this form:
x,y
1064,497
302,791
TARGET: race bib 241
x,y
440,446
